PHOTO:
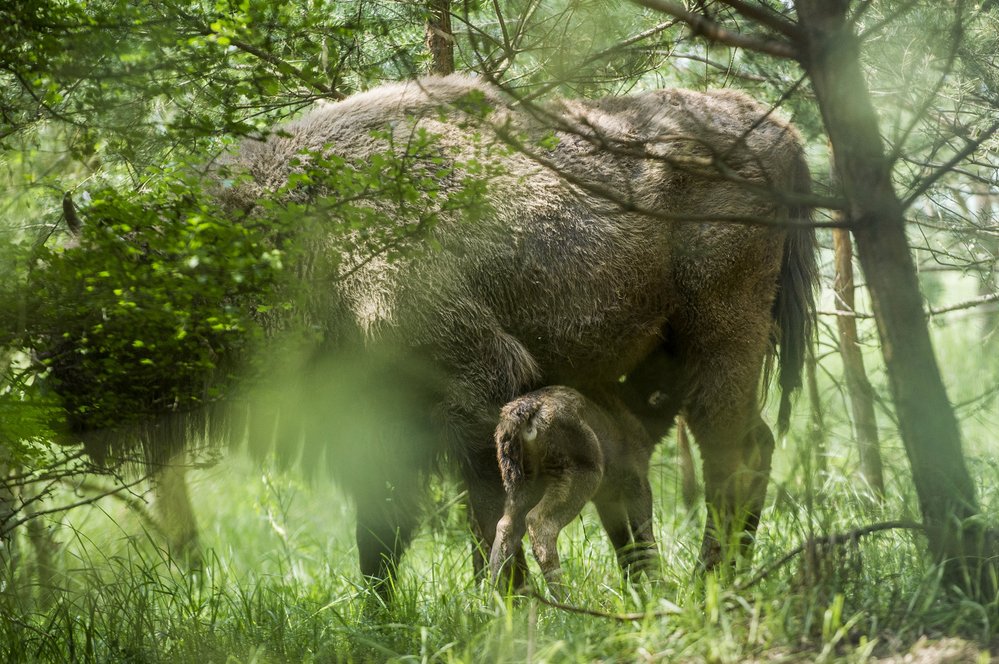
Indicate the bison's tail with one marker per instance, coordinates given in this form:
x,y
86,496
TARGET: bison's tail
x,y
794,307
515,423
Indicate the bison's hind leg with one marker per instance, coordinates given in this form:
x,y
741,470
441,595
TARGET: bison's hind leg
x,y
735,478
564,498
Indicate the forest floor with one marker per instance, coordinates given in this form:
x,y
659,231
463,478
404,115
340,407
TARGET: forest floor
x,y
279,583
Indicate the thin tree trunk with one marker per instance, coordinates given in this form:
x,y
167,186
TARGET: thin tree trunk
x,y
9,553
927,423
987,277
44,546
440,39
861,393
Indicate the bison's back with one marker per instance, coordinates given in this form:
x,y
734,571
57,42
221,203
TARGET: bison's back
x,y
593,248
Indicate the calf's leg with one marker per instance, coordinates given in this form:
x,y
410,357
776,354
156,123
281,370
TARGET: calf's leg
x,y
506,559
564,498
486,500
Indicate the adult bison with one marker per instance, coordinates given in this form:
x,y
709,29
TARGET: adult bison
x,y
666,221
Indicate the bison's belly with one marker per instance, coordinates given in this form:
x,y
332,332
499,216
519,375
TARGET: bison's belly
x,y
585,315
582,351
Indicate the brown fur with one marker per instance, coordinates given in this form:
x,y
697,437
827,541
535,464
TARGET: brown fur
x,y
557,450
557,284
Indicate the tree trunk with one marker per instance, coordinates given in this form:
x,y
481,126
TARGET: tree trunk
x,y
987,276
440,39
44,546
927,423
861,393
9,552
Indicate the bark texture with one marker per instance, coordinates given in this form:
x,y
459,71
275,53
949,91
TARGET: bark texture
x,y
928,426
865,425
440,39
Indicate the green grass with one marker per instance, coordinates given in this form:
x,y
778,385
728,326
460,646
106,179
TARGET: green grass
x,y
279,584
280,580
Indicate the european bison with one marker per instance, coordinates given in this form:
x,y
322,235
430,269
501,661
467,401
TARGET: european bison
x,y
669,219
607,228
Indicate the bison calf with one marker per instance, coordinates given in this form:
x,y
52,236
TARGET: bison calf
x,y
558,449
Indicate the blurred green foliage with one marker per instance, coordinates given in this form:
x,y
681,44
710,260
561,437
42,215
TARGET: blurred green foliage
x,y
123,104
155,299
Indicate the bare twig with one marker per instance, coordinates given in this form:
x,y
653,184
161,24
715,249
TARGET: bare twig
x,y
727,68
988,298
627,205
280,64
946,167
967,304
828,540
765,16
600,55
137,504
285,67
844,313
8,528
890,17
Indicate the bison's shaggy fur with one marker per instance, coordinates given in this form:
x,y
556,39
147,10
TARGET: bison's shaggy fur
x,y
666,219
609,228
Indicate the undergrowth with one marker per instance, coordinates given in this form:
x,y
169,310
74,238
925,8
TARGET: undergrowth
x,y
279,580
278,583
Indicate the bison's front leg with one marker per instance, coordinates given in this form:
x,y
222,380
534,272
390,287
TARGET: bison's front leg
x,y
385,526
